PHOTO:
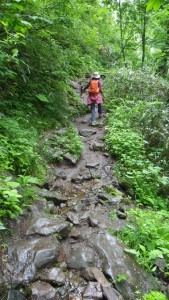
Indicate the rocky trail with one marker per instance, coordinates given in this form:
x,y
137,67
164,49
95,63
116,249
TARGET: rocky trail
x,y
62,248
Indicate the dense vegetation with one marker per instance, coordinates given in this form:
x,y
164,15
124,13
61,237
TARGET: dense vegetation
x,y
46,44
137,135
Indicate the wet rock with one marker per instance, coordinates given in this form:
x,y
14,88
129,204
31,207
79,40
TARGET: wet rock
x,y
106,154
80,257
93,291
87,274
79,178
81,233
77,207
53,276
70,158
108,291
63,205
74,85
84,121
118,224
51,208
73,218
26,257
92,164
75,233
44,291
87,132
38,207
14,294
56,197
95,174
93,222
47,226
84,216
63,266
110,199
96,146
61,175
115,261
121,215
75,297
2,284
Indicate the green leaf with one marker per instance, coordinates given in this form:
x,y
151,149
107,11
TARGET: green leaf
x,y
131,251
154,4
142,248
26,23
15,52
164,250
155,254
42,98
18,6
13,184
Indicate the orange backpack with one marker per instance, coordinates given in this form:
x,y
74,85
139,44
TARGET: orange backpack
x,y
94,87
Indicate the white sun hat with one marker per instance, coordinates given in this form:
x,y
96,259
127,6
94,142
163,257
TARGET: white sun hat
x,y
96,75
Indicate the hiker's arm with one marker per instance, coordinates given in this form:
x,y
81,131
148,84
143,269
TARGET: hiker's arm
x,y
84,88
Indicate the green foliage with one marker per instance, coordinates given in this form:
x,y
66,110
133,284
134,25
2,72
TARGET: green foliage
x,y
154,4
126,83
154,295
121,277
137,134
19,148
9,198
146,236
138,173
15,194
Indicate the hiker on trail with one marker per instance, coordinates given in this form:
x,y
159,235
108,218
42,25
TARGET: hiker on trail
x,y
94,87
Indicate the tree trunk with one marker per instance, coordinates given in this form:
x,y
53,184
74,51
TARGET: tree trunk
x,y
144,38
121,30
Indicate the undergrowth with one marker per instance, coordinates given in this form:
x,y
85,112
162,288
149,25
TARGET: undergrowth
x,y
137,135
140,147
148,238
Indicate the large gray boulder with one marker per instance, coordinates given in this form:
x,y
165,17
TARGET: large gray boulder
x,y
43,225
26,257
43,291
115,262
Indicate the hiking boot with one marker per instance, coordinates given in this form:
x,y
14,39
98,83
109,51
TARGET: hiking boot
x,y
100,116
93,123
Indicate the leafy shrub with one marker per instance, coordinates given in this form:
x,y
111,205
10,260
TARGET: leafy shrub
x,y
15,194
138,134
142,177
147,237
10,198
135,85
19,148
